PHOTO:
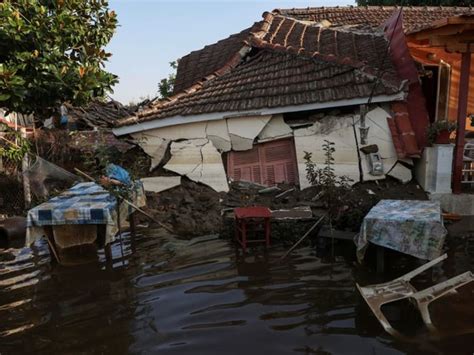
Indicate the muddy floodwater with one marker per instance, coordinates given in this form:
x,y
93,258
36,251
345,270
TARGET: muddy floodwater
x,y
162,295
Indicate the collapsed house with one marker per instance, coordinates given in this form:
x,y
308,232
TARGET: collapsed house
x,y
96,115
251,106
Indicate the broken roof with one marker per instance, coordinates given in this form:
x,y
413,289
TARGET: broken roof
x,y
272,79
415,18
299,63
201,63
98,114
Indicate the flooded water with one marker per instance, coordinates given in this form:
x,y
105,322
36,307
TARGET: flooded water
x,y
160,295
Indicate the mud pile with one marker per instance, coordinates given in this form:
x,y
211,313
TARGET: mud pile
x,y
193,209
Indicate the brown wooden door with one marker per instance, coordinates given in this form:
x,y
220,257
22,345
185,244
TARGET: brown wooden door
x,y
268,163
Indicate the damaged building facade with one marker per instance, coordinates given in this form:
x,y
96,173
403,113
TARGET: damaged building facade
x,y
251,106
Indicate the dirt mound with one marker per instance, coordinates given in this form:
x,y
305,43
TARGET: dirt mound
x,y
193,209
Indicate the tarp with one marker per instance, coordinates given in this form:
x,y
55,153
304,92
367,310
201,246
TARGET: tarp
x,y
46,177
411,227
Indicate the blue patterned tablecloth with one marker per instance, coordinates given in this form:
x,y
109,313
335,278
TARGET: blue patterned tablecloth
x,y
84,203
411,227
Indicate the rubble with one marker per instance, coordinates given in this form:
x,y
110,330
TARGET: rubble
x,y
194,209
160,183
401,173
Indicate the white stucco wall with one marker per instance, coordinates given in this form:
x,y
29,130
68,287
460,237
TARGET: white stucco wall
x,y
200,161
276,128
339,130
244,130
196,148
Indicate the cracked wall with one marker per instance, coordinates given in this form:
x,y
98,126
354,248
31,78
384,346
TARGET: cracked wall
x,y
244,130
339,129
196,148
200,161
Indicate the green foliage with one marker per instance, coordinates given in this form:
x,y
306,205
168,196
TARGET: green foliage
x,y
324,177
413,2
334,188
14,147
166,85
439,126
51,51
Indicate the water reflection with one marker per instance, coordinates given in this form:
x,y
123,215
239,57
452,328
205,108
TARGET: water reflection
x,y
164,295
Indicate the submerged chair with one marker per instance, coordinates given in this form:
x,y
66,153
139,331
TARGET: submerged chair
x,y
378,295
247,218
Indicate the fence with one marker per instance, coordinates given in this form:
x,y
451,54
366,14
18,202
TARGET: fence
x,y
468,165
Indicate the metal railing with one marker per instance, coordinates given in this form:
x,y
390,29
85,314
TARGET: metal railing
x,y
468,164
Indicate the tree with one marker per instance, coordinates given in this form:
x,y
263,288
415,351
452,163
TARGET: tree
x,y
166,85
51,52
413,2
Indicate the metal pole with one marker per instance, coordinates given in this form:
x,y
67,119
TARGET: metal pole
x,y
461,119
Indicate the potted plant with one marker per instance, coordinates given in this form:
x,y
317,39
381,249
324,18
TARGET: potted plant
x,y
439,131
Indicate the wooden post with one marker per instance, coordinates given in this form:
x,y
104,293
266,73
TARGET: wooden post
x,y
26,181
461,120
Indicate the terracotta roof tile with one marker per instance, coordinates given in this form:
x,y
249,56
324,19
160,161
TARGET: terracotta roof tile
x,y
415,17
270,79
352,58
98,114
198,64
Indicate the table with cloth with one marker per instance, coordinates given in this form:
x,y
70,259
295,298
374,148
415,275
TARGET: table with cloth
x,y
75,214
408,226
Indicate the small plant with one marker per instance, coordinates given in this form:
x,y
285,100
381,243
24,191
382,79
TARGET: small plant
x,y
312,172
333,188
440,127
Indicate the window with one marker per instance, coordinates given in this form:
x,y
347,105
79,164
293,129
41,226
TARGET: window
x,y
268,163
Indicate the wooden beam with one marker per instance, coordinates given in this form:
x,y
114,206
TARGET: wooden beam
x,y
460,20
464,37
457,48
442,31
461,120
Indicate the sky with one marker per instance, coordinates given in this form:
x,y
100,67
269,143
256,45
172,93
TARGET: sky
x,y
152,33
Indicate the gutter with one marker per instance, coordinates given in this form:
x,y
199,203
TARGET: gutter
x,y
215,116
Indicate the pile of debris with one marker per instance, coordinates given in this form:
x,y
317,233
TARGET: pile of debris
x,y
193,209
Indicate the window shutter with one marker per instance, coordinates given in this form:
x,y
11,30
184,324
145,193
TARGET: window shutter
x,y
266,163
270,176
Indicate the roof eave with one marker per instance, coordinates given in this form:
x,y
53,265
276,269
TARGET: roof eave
x,y
179,120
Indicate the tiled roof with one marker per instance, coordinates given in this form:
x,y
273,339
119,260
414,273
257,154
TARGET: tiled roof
x,y
198,64
415,18
354,57
271,79
363,48
98,114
